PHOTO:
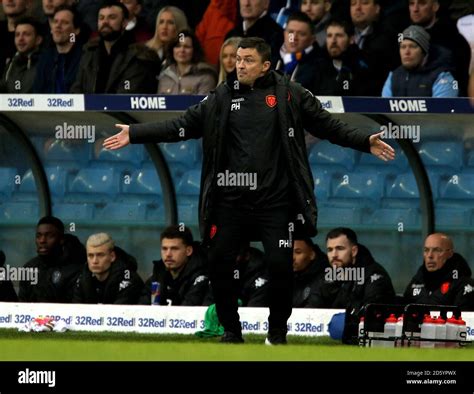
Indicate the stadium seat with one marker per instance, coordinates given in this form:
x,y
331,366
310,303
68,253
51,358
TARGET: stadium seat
x,y
143,182
334,215
123,212
326,153
452,216
442,155
187,193
190,183
130,154
68,154
24,211
94,185
57,181
367,187
182,156
368,162
394,216
7,181
322,183
74,212
458,187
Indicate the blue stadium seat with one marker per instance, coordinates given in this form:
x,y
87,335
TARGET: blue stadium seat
x,y
94,185
452,216
470,159
190,183
367,187
334,215
458,187
68,154
369,162
442,155
393,216
182,156
188,197
7,181
330,154
123,212
285,12
322,183
57,180
143,182
74,212
25,211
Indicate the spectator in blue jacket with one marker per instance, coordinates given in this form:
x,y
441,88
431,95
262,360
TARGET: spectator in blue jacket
x,y
425,71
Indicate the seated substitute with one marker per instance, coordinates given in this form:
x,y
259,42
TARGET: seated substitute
x,y
309,263
109,277
59,262
181,272
353,280
444,278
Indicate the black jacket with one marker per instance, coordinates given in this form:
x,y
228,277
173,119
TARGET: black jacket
x,y
298,110
134,68
376,287
189,288
450,285
20,69
45,81
122,286
56,275
7,292
252,275
419,82
304,281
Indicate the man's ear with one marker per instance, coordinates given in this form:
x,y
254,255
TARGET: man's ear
x,y
38,41
352,40
355,250
114,256
266,66
189,250
327,6
436,6
377,7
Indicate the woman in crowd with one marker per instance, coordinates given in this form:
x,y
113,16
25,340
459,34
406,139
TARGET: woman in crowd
x,y
169,21
186,72
227,57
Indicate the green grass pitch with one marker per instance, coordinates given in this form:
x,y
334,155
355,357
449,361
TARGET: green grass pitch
x,y
108,346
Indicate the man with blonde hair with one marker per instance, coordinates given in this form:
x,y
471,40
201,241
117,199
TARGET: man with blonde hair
x,y
109,277
444,278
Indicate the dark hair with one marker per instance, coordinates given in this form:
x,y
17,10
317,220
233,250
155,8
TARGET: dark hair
x,y
260,45
54,221
337,232
307,241
345,24
76,18
29,20
198,54
173,232
115,3
301,17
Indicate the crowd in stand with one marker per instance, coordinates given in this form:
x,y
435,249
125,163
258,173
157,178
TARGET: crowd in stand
x,y
344,276
339,47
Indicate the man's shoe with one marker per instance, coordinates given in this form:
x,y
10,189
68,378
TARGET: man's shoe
x,y
230,337
275,339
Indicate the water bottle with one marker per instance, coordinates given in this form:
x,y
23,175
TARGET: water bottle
x,y
428,331
440,331
399,331
389,330
452,329
361,332
155,293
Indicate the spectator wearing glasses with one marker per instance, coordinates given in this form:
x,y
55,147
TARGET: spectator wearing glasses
x,y
444,278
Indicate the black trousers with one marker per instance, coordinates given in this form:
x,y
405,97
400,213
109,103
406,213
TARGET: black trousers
x,y
233,227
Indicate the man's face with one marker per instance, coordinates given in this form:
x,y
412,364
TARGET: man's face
x,y
315,9
175,253
423,12
111,23
133,7
303,254
411,54
14,7
26,39
340,251
337,41
436,251
166,27
183,51
100,258
48,7
62,28
48,240
364,12
250,66
252,9
298,36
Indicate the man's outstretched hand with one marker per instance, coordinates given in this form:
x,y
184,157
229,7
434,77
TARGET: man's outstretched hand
x,y
380,149
118,140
